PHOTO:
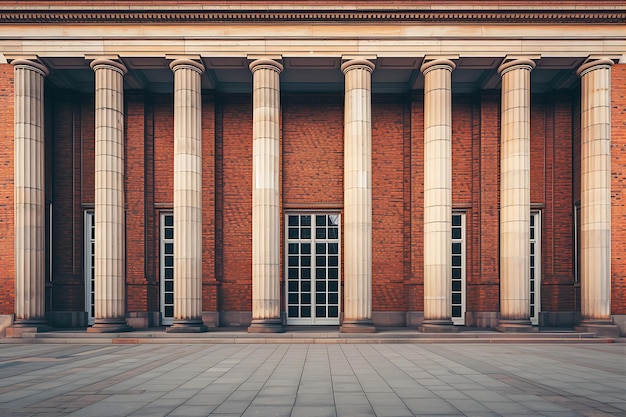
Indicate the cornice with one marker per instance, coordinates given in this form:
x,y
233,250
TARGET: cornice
x,y
311,16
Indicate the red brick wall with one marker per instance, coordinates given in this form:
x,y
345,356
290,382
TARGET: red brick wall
x,y
387,204
236,196
618,187
7,272
415,283
209,279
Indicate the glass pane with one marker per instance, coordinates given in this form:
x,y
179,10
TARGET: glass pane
x,y
306,273
320,233
306,286
333,286
292,260
320,260
532,261
333,248
532,234
320,248
305,220
305,261
456,311
333,311
169,248
169,311
169,298
456,220
333,298
305,248
456,285
169,220
456,298
169,273
293,298
333,233
320,311
333,261
320,273
456,261
333,273
456,233
293,248
293,286
532,286
293,233
456,248
305,311
293,220
320,286
305,233
292,273
292,311
320,220
169,233
169,261
456,273
169,286
305,298
320,298
532,221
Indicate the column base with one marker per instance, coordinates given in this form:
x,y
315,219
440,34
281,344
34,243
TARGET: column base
x,y
438,326
357,326
109,326
22,328
599,327
516,326
187,326
266,326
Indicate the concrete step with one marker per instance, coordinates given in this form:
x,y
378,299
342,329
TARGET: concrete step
x,y
303,336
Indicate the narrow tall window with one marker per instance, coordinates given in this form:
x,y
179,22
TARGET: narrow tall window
x,y
535,266
312,268
89,268
458,269
167,268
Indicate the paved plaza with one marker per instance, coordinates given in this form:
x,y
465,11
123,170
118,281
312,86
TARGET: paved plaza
x,y
313,380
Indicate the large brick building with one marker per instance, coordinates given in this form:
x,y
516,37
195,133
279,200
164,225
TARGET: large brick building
x,y
354,163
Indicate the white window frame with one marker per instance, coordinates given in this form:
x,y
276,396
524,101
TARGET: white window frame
x,y
534,318
460,321
313,320
167,321
89,240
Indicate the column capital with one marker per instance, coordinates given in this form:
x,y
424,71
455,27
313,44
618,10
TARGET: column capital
x,y
187,63
438,62
99,63
32,65
362,63
593,63
266,63
518,62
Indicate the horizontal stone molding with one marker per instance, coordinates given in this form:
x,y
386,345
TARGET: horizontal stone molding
x,y
328,16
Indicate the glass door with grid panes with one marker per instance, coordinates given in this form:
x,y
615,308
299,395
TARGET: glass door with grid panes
x,y
89,267
535,266
458,269
167,268
312,270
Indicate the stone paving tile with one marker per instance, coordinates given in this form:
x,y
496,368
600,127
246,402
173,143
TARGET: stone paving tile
x,y
313,380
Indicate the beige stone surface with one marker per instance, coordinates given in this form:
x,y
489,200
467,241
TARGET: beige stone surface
x,y
265,192
187,192
515,190
357,226
437,190
29,191
595,182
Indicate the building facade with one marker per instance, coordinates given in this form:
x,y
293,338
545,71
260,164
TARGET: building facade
x,y
359,164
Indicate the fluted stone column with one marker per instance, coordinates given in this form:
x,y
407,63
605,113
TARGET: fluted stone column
x,y
515,196
109,198
29,189
595,193
187,197
266,197
357,219
437,196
